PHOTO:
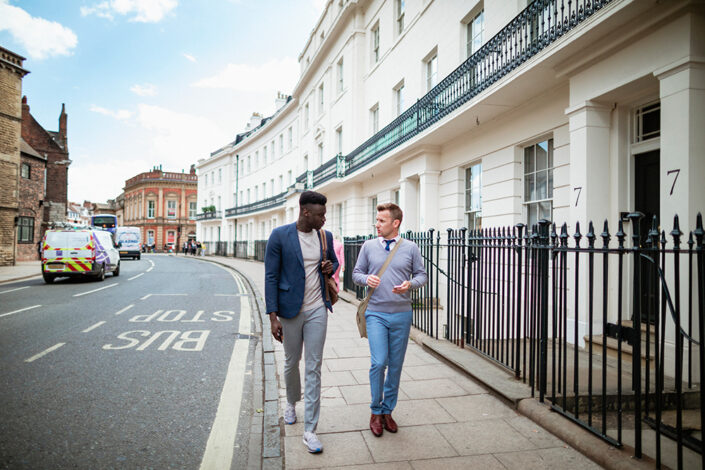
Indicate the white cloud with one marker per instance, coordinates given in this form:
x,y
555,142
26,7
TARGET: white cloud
x,y
141,11
175,137
269,77
120,114
189,57
144,90
41,38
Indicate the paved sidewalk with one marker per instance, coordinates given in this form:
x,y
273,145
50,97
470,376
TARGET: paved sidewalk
x,y
22,270
446,420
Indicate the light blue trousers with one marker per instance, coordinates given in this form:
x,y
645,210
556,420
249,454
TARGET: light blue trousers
x,y
307,331
388,335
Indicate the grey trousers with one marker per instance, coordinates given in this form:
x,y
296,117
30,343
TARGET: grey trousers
x,y
307,330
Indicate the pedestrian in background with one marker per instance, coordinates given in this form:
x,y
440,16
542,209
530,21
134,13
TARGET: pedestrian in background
x,y
185,248
339,253
388,316
297,304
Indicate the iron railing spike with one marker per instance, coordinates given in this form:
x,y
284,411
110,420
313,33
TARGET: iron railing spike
x,y
676,232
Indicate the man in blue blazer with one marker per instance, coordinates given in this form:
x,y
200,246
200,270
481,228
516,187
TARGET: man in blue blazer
x,y
297,304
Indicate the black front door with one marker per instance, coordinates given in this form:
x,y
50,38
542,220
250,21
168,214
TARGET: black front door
x,y
646,198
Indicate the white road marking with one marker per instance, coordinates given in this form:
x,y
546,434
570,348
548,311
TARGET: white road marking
x,y
95,290
149,295
227,295
219,449
149,269
100,323
124,309
151,262
20,310
135,277
13,290
44,353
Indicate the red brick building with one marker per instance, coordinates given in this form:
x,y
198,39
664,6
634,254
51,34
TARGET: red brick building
x,y
53,146
163,205
31,206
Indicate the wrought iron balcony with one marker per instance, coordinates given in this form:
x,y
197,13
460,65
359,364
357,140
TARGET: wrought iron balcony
x,y
264,204
208,215
541,23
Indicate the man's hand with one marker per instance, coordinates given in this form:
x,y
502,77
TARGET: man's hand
x,y
373,281
276,327
401,288
327,267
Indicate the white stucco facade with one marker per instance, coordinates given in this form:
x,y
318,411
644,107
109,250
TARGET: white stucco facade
x,y
625,87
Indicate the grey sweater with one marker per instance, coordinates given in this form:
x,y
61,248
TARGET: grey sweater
x,y
407,265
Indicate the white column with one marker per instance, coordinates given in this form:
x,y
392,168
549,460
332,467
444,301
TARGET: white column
x,y
408,200
428,200
682,91
589,125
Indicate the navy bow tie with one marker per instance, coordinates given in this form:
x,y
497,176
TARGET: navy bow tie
x,y
388,242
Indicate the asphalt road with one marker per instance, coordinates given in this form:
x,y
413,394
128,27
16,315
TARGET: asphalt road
x,y
129,372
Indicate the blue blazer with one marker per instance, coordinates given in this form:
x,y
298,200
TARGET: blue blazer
x,y
284,275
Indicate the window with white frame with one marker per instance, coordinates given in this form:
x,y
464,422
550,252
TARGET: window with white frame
x,y
220,175
281,183
249,164
281,144
271,186
192,210
475,33
647,122
257,165
256,192
306,111
339,140
538,182
399,10
320,153
264,190
290,178
249,196
150,209
373,211
271,147
339,69
218,206
321,100
399,97
265,157
431,72
150,237
374,118
25,171
171,209
375,44
473,197
290,134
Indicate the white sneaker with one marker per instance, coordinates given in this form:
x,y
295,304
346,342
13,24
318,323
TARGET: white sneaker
x,y
290,414
312,442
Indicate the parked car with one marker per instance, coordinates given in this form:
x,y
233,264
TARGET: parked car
x,y
79,253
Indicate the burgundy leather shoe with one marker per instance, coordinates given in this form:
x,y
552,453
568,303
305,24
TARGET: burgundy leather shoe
x,y
376,425
389,423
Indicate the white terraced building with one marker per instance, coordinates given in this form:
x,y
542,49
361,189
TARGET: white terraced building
x,y
474,113
486,114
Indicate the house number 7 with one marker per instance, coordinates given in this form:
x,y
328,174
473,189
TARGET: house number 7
x,y
579,189
677,172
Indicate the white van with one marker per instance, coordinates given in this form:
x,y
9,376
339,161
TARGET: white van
x,y
77,253
129,242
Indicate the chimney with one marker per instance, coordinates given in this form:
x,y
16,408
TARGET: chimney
x,y
255,120
280,101
62,127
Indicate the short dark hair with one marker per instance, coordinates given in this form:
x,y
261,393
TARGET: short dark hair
x,y
312,197
394,210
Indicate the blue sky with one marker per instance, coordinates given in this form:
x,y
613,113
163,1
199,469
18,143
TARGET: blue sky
x,y
149,82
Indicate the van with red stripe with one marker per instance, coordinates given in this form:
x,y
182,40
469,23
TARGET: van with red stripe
x,y
79,253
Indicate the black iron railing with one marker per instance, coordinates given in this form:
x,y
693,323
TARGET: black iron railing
x,y
538,25
240,249
221,248
260,249
605,326
208,215
264,204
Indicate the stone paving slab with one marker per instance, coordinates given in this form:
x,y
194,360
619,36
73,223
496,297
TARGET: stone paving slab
x,y
347,448
431,389
409,443
483,462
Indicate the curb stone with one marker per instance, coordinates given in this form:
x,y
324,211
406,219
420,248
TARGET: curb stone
x,y
272,457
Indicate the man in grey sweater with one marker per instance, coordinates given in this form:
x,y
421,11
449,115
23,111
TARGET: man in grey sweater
x,y
389,314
